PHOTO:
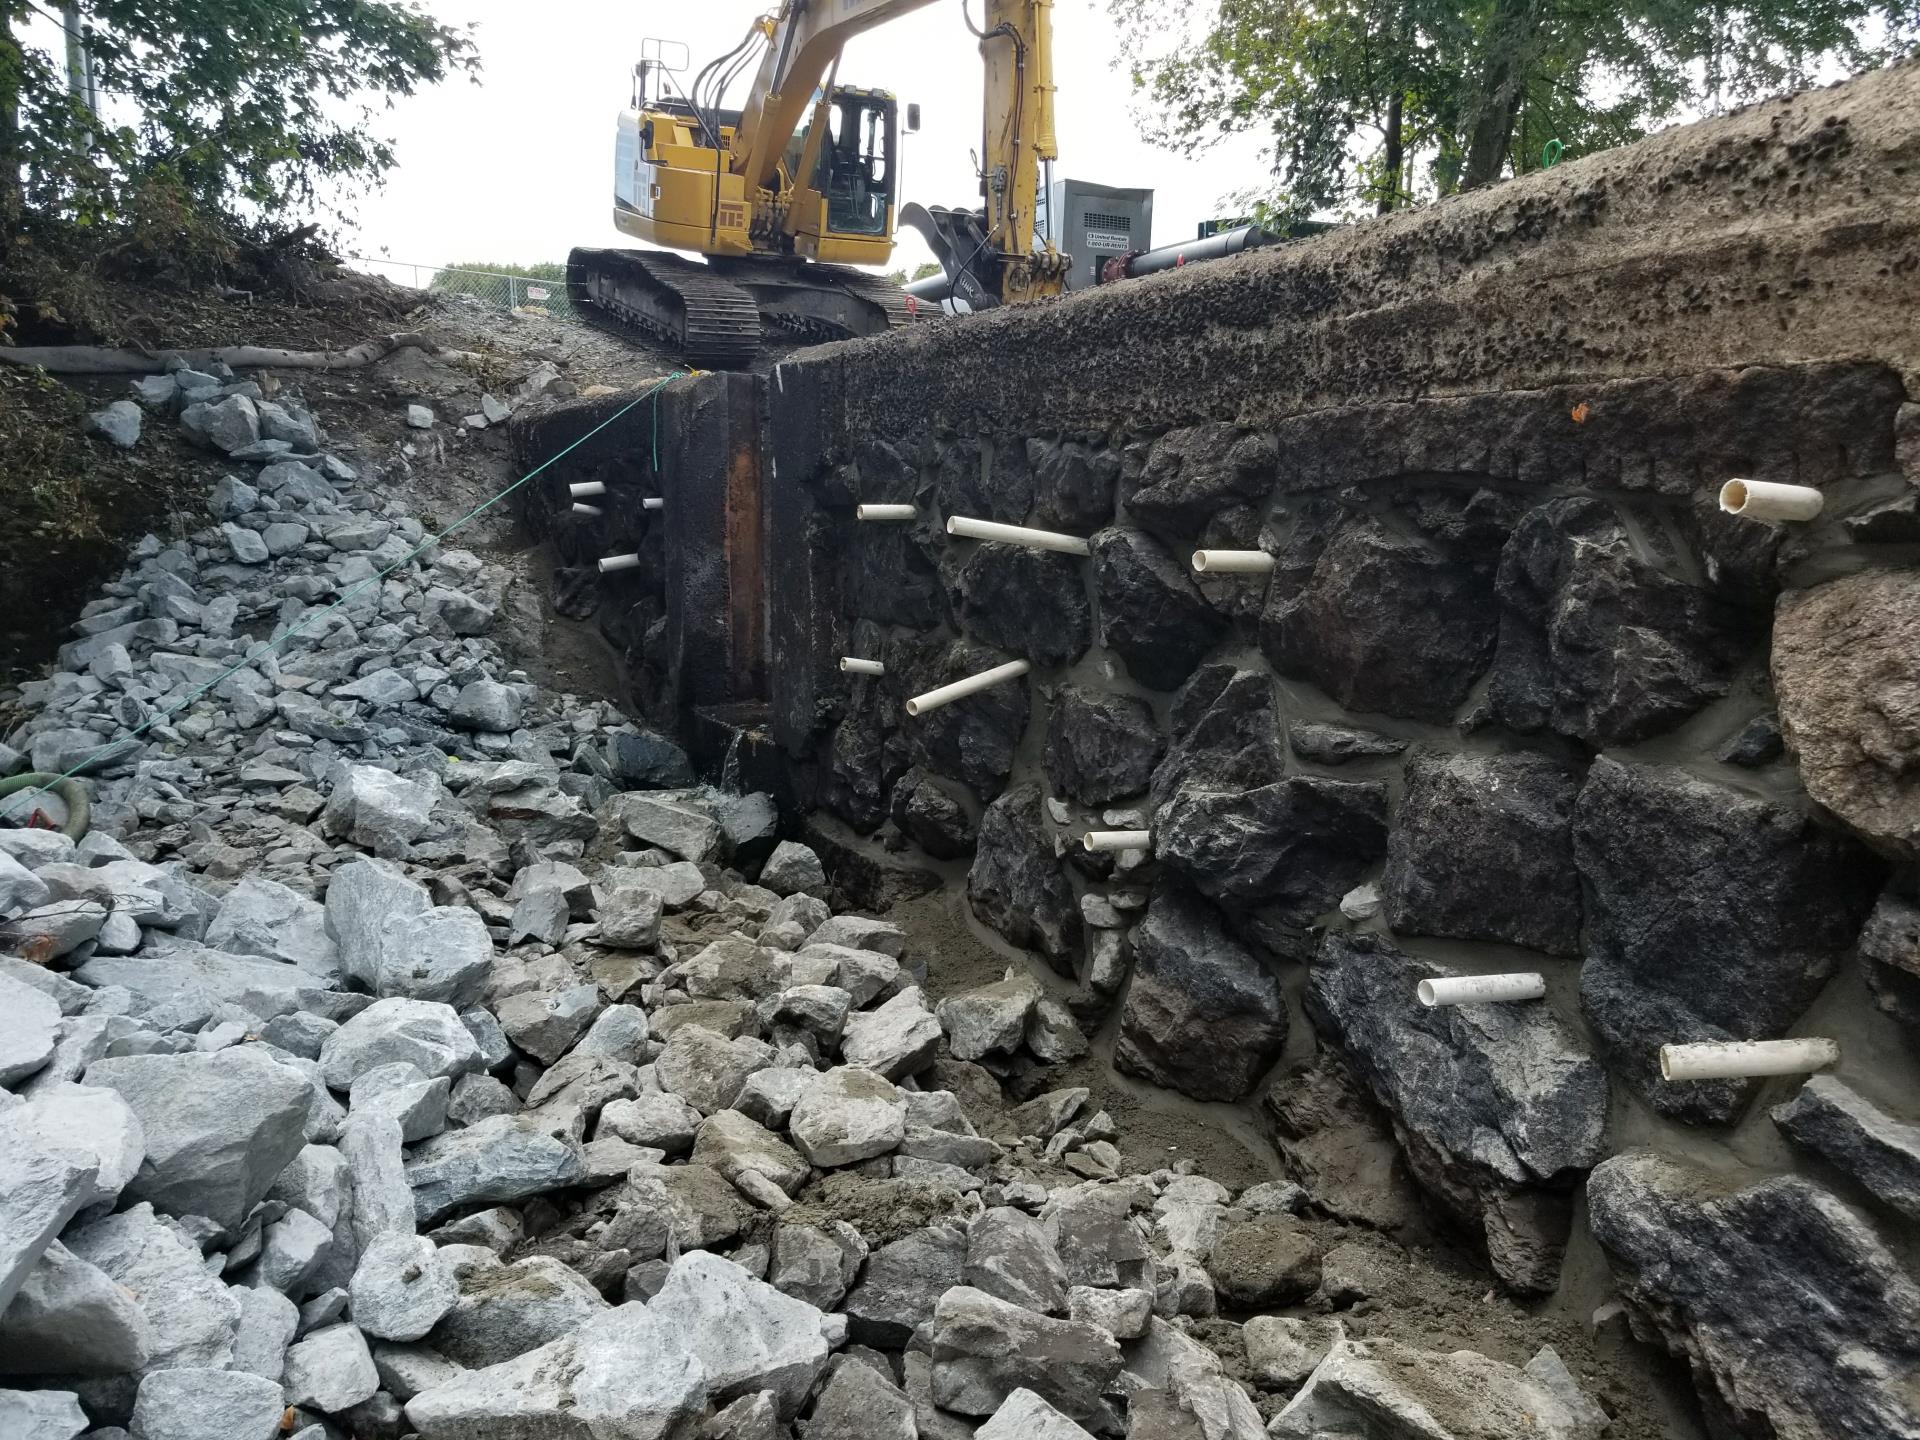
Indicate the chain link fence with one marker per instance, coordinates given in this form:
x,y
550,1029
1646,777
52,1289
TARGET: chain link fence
x,y
523,289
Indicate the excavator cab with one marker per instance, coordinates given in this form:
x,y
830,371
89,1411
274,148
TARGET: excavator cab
x,y
844,212
856,169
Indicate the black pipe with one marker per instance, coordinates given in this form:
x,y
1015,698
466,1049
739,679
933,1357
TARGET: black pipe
x,y
935,287
1188,252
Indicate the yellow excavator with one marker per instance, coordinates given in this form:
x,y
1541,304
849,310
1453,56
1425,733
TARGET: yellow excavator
x,y
782,210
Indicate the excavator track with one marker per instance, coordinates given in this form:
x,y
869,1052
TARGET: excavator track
x,y
820,302
708,320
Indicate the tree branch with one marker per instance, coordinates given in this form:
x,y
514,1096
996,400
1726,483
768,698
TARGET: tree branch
x,y
99,360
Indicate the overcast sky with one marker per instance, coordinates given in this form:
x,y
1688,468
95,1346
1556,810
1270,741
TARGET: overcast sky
x,y
520,167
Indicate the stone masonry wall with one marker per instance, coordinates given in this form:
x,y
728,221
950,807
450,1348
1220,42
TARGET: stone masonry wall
x,y
1515,696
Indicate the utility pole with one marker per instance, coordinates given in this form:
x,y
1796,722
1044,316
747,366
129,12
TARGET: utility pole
x,y
79,63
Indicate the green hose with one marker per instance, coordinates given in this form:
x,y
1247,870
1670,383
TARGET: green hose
x,y
69,791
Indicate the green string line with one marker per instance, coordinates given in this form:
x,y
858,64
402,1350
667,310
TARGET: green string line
x,y
652,392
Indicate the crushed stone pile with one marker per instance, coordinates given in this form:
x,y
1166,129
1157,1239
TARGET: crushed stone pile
x,y
409,1050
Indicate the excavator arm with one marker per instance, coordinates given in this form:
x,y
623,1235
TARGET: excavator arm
x,y
808,36
997,257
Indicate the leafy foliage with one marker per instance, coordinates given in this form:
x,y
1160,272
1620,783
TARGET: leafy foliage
x,y
1377,103
235,109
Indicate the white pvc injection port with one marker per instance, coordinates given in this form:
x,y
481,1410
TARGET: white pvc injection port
x,y
653,502
1098,840
1232,562
884,512
853,666
1016,535
1481,989
580,509
1746,1059
1764,500
587,489
971,685
619,562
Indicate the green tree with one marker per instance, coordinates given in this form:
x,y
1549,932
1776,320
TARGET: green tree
x,y
920,272
237,107
1371,104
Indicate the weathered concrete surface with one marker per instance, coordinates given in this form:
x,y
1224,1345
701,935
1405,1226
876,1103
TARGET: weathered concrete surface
x,y
1685,253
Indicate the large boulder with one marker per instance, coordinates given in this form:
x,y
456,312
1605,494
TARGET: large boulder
x,y
971,740
1101,747
735,1146
1189,475
363,898
30,1032
676,821
1379,620
933,814
1073,484
1225,735
1017,884
219,1128
91,1121
427,1033
1151,614
499,1159
72,1318
989,1019
1203,1016
193,1404
984,1349
1026,602
888,573
188,983
816,1263
1890,957
378,809
1010,1257
41,1415
400,1290
746,1334
1482,849
896,1039
706,1069
846,1115
857,762
1499,1107
1279,855
263,917
622,1374
1859,1139
1598,644
397,943
506,1310
902,1283
1176,1386
1386,1390
191,1316
1843,670
1794,1316
1713,914
1266,1263
1091,1228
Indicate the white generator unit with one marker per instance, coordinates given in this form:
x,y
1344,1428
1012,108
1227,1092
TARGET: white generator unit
x,y
1095,224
